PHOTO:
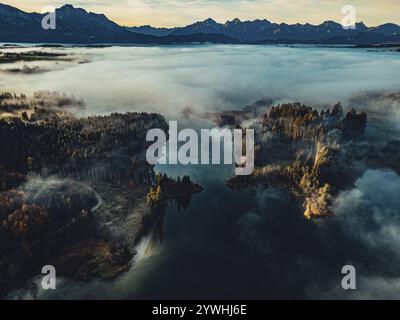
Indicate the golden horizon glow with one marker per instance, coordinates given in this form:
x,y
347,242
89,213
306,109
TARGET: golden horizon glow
x,y
175,13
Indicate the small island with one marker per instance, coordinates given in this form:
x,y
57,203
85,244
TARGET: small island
x,y
309,153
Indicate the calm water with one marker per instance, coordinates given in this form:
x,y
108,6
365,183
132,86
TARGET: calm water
x,y
242,245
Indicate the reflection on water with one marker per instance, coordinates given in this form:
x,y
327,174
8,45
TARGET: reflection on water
x,y
231,244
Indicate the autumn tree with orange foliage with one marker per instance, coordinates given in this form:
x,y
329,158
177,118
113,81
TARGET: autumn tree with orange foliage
x,y
27,223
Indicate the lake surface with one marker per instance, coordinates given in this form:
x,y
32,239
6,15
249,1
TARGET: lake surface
x,y
230,244
215,77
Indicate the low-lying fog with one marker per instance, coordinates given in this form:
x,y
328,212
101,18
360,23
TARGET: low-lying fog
x,y
230,244
214,77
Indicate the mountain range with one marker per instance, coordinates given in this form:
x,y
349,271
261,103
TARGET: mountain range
x,y
76,25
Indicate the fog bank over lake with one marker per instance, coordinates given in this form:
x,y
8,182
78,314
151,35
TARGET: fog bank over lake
x,y
253,244
214,77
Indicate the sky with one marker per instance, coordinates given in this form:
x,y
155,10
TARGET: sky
x,y
170,13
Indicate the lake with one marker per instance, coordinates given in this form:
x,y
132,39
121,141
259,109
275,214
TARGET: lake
x,y
229,244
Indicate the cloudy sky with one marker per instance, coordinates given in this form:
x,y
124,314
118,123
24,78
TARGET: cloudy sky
x,y
181,12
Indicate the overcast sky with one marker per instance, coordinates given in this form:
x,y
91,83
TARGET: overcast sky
x,y
182,12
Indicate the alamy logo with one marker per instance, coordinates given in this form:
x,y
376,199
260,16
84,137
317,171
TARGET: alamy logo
x,y
350,18
49,280
349,280
197,151
49,20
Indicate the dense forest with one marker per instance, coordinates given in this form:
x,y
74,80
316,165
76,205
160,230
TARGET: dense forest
x,y
64,178
314,154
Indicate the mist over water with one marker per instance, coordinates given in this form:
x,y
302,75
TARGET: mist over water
x,y
215,77
242,244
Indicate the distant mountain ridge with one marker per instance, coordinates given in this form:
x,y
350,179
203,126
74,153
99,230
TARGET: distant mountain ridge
x,y
76,25
265,31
